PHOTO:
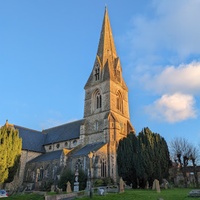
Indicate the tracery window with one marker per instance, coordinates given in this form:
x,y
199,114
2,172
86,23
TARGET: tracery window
x,y
79,164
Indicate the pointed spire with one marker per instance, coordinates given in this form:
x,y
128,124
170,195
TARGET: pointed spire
x,y
106,49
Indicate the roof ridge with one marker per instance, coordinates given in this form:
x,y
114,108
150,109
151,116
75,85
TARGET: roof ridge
x,y
17,126
62,125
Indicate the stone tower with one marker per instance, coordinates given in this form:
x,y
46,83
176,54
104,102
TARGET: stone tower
x,y
106,110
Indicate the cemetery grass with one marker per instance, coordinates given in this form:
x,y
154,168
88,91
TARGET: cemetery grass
x,y
25,197
138,194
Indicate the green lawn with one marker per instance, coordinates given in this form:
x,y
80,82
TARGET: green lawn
x,y
25,197
170,194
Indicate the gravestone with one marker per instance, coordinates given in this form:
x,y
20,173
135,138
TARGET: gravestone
x,y
121,185
156,185
165,183
52,188
68,189
101,191
147,185
76,183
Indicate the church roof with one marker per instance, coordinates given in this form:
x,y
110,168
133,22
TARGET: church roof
x,y
32,140
54,155
89,148
63,132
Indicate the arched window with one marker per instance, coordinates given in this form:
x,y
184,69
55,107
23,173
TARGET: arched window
x,y
74,142
103,167
78,164
97,100
119,102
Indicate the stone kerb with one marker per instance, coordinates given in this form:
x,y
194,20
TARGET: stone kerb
x,y
60,196
194,193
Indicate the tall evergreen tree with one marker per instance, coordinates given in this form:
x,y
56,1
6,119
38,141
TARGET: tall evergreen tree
x,y
10,150
143,158
155,154
127,159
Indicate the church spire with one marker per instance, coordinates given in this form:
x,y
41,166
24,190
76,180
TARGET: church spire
x,y
106,49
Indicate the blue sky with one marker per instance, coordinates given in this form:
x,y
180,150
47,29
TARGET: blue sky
x,y
48,48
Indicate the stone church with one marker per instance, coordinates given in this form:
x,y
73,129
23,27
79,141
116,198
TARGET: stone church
x,y
92,140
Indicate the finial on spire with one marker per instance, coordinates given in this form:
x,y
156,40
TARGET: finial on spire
x,y
106,8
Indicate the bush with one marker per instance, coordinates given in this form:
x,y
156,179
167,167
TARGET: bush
x,y
103,182
68,175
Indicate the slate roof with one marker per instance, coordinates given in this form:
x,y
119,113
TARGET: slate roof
x,y
32,140
54,155
63,132
89,148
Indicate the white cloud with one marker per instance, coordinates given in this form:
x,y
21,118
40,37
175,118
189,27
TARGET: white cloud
x,y
170,33
184,79
173,108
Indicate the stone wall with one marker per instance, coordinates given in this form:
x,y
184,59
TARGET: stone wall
x,y
19,177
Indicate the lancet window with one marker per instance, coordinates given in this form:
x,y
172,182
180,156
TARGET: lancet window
x,y
97,100
103,168
119,102
97,73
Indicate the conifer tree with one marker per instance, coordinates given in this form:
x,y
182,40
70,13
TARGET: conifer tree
x,y
143,158
156,159
10,150
127,159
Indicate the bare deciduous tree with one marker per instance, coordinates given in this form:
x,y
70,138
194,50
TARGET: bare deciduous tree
x,y
181,152
194,158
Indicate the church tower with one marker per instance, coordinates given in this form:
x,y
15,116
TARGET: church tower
x,y
106,109
106,95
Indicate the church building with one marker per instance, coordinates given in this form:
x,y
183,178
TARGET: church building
x,y
91,142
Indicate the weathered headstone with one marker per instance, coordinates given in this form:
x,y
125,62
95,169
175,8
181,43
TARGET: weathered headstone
x,y
68,189
147,185
101,191
156,185
165,183
121,185
52,188
76,183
